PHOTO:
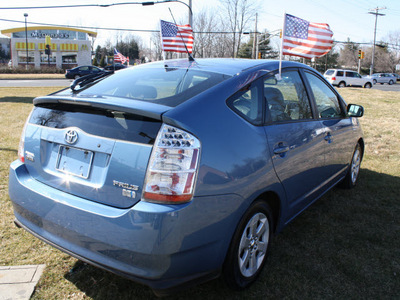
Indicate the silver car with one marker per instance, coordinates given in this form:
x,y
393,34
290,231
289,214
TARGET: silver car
x,y
383,78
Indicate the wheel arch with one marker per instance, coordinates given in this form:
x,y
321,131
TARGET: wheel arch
x,y
274,203
362,145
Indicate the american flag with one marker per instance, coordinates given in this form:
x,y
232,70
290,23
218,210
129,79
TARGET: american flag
x,y
118,57
174,37
305,39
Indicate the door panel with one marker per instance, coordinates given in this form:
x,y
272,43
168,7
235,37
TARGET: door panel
x,y
296,140
336,125
297,151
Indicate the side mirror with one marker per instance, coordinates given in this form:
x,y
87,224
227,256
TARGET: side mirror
x,y
354,110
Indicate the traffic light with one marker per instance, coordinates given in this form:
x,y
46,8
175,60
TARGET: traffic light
x,y
362,55
47,50
359,54
259,55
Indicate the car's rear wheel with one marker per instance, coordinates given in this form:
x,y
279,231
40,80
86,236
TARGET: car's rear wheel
x,y
342,84
391,82
350,180
248,251
368,85
374,81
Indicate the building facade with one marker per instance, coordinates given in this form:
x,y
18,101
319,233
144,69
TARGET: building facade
x,y
70,47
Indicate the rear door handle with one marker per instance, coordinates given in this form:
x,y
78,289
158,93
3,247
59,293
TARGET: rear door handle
x,y
281,150
328,137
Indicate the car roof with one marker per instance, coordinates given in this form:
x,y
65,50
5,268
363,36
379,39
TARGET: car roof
x,y
343,70
228,66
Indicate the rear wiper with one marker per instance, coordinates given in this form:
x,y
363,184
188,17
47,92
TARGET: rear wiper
x,y
82,81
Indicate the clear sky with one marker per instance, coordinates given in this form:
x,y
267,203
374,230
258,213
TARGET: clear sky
x,y
347,18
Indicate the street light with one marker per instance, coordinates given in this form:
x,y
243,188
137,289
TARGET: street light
x,y
26,40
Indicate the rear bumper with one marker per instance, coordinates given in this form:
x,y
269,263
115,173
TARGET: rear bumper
x,y
162,246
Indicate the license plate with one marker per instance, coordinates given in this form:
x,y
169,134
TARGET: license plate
x,y
74,161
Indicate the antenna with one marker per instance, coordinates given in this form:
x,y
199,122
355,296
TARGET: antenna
x,y
183,41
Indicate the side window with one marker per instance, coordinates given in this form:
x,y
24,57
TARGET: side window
x,y
247,104
339,73
327,103
287,99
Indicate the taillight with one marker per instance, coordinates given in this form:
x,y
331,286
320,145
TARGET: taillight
x,y
172,168
21,146
333,78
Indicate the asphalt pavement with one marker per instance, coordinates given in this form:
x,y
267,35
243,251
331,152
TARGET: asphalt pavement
x,y
35,82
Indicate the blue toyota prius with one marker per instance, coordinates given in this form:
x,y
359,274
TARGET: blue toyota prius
x,y
177,172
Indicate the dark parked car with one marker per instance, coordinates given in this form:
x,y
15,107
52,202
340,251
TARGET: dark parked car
x,y
174,172
81,71
115,67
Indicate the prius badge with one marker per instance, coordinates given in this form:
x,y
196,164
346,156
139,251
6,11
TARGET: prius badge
x,y
71,136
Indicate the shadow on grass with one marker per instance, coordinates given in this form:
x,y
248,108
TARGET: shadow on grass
x,y
344,246
16,99
9,150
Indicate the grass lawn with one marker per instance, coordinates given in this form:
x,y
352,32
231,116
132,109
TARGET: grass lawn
x,y
345,246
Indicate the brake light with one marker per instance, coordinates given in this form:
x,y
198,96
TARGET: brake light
x,y
333,78
172,168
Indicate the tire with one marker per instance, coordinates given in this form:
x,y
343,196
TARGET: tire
x,y
342,84
368,85
76,76
374,81
391,82
350,180
249,247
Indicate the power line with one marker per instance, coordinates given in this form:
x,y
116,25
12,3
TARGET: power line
x,y
271,33
116,29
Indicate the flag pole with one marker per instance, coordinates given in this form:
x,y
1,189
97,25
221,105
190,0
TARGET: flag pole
x,y
279,77
180,34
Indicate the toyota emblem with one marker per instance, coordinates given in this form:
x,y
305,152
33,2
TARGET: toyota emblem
x,y
71,136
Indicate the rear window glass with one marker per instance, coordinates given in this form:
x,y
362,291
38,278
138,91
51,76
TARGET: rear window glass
x,y
330,72
166,86
104,123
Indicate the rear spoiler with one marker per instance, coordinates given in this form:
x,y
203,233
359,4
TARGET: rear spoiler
x,y
137,107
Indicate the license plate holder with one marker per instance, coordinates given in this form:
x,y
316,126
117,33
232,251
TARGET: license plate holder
x,y
74,161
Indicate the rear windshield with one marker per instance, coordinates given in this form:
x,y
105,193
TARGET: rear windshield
x,y
104,123
166,86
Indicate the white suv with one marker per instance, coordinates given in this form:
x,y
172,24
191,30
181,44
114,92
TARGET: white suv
x,y
342,78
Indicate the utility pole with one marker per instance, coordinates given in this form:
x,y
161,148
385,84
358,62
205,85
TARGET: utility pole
x,y
254,54
375,12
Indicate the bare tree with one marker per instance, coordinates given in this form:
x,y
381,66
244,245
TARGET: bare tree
x,y
239,13
348,57
210,41
156,50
